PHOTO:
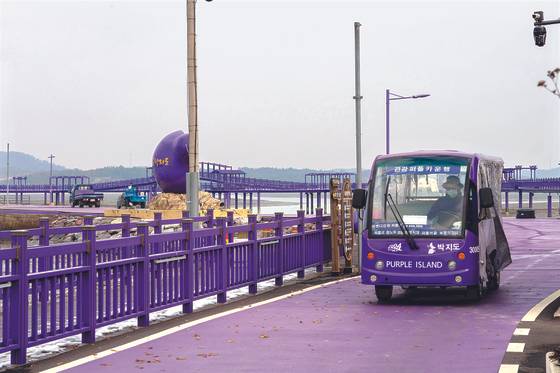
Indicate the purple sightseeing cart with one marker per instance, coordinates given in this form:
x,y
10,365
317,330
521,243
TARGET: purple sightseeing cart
x,y
432,218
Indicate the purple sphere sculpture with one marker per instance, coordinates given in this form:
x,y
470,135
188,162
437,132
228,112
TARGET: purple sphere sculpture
x,y
171,162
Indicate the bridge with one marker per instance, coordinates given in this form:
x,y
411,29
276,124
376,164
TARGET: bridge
x,y
223,181
237,190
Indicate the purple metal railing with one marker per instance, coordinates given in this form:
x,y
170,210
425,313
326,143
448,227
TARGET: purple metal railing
x,y
52,291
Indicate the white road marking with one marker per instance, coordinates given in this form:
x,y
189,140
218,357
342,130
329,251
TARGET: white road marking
x,y
515,347
163,333
521,331
539,307
508,368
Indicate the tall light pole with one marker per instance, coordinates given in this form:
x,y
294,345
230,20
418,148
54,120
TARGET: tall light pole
x,y
390,96
193,183
358,98
50,179
7,172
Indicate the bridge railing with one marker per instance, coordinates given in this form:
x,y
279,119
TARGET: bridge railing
x,y
48,292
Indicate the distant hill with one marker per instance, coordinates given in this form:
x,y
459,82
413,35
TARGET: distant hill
x,y
97,175
37,171
22,164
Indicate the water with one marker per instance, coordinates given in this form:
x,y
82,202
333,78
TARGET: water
x,y
288,203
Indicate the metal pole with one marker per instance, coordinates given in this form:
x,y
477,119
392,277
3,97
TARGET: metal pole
x,y
358,98
50,181
7,173
193,182
387,113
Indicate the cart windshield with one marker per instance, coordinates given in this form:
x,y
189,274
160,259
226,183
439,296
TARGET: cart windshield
x,y
427,194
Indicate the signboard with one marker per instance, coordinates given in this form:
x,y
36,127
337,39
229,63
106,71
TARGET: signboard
x,y
342,221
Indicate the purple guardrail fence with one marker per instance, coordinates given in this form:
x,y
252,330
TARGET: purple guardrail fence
x,y
53,291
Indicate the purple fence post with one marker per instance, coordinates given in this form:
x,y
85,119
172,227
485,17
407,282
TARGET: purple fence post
x,y
125,225
230,223
303,248
125,232
210,222
254,268
185,214
221,241
319,228
549,206
88,220
89,308
44,241
157,230
279,232
210,218
188,271
143,280
19,298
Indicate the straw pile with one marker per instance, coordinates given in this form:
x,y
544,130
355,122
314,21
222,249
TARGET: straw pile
x,y
173,201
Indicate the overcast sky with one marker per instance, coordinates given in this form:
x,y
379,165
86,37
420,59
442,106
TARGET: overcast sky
x,y
99,83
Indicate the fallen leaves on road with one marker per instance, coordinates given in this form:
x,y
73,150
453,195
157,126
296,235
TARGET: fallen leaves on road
x,y
207,355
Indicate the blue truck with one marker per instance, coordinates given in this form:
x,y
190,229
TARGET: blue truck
x,y
84,195
131,198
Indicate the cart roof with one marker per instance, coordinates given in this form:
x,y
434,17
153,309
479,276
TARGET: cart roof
x,y
448,153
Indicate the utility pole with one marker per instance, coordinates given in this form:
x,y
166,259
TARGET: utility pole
x,y
358,98
50,180
7,173
192,181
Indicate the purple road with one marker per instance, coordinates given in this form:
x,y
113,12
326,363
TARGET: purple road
x,y
341,328
50,210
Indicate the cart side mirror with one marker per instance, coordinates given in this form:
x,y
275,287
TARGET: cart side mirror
x,y
359,198
485,197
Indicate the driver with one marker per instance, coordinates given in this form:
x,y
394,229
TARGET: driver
x,y
448,207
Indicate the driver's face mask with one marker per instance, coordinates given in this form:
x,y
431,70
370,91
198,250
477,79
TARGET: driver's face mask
x,y
452,193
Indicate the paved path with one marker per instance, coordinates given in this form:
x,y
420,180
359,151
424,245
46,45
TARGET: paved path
x,y
340,327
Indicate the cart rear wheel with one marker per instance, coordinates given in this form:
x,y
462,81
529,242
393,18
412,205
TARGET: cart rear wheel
x,y
383,292
474,292
494,282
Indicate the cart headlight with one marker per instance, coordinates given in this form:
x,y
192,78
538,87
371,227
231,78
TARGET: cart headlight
x,y
379,265
458,279
452,265
373,278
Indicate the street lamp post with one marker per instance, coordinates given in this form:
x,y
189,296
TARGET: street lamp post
x,y
390,96
358,98
193,182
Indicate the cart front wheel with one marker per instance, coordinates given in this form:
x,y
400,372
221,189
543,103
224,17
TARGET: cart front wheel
x,y
383,292
474,292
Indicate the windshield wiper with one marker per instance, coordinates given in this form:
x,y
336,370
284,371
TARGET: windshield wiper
x,y
400,222
386,192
